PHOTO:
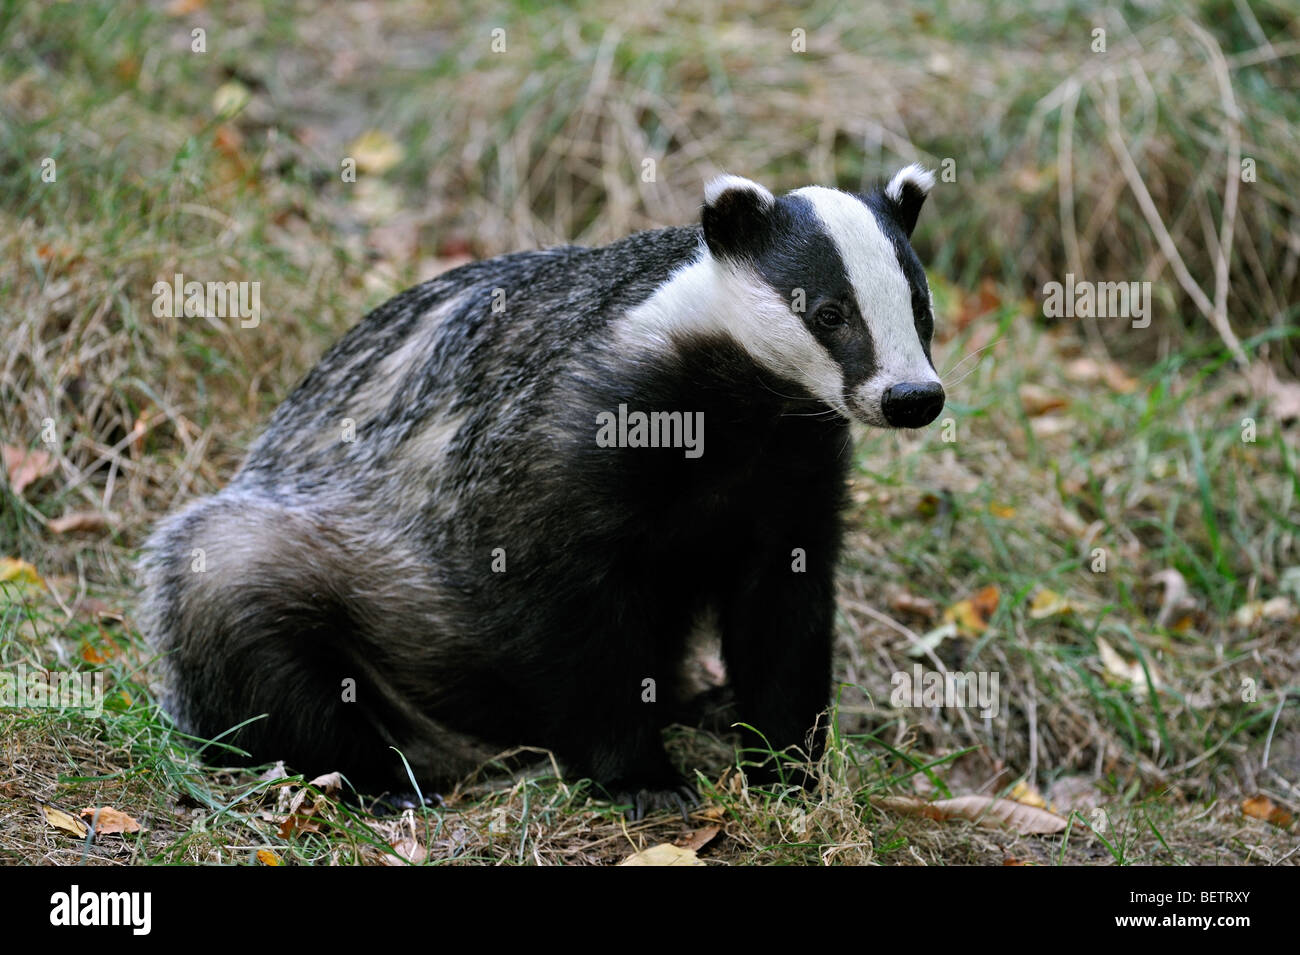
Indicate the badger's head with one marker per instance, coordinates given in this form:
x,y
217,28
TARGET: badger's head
x,y
823,288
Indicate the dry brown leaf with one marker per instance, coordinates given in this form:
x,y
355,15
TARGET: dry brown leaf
x,y
987,811
78,521
663,854
1261,807
1038,401
25,465
298,822
973,614
109,820
697,839
406,851
329,784
919,606
64,821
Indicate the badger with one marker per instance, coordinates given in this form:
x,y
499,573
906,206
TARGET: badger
x,y
496,509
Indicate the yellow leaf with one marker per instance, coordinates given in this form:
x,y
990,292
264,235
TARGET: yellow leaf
x,y
13,570
65,821
973,614
230,98
1022,792
663,854
267,857
1001,510
375,151
1048,603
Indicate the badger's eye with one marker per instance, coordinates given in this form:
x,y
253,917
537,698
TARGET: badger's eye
x,y
830,316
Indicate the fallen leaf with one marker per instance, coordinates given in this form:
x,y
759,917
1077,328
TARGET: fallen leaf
x,y
930,640
1087,371
1121,669
13,570
230,97
107,820
1177,595
906,602
1261,807
973,614
267,857
78,521
987,811
1038,401
1001,510
1027,795
92,654
1277,609
275,772
697,839
1048,603
65,821
24,465
407,851
298,822
329,783
375,151
663,854
1283,396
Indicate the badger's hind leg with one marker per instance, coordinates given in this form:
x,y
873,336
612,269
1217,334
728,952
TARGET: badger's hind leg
x,y
262,609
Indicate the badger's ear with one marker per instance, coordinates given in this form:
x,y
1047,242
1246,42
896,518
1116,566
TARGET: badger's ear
x,y
906,192
736,216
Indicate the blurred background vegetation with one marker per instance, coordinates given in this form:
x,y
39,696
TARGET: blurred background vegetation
x,y
583,122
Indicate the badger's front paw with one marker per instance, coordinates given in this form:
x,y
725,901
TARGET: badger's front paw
x,y
651,796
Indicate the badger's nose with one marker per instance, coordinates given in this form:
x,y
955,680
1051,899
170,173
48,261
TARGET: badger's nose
x,y
912,404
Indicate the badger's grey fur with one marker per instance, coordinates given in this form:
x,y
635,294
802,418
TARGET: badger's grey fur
x,y
430,515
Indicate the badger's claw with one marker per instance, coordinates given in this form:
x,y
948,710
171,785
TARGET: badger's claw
x,y
648,799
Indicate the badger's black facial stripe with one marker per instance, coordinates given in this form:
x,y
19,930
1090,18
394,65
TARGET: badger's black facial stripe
x,y
894,230
797,254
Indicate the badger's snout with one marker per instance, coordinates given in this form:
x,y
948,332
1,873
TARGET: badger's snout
x,y
912,404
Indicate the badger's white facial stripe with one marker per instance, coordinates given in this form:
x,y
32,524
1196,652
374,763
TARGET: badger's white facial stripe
x,y
882,290
707,296
916,174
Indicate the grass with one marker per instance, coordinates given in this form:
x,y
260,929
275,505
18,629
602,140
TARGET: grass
x,y
1072,444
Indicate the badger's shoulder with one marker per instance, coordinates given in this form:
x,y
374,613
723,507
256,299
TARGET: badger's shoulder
x,y
460,339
